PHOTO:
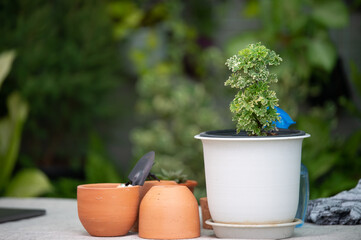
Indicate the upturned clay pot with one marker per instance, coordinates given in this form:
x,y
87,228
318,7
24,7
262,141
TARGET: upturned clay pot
x,y
144,189
149,184
191,184
169,212
106,210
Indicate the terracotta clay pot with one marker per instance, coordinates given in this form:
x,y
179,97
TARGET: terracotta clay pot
x,y
205,212
144,189
191,184
107,211
169,212
149,184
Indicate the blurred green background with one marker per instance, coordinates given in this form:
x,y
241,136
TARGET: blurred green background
x,y
88,87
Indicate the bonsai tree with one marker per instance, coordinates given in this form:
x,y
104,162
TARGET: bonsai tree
x,y
254,105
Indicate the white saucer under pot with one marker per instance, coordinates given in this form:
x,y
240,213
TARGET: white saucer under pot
x,y
268,231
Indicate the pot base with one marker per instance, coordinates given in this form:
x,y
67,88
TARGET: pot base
x,y
265,231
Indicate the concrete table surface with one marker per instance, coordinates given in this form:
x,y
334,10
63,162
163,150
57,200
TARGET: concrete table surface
x,y
61,222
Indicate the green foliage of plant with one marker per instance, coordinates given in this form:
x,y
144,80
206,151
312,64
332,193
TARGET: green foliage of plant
x,y
178,176
333,165
6,60
65,187
127,16
253,107
299,31
65,69
347,149
29,182
173,103
172,119
67,60
98,169
26,182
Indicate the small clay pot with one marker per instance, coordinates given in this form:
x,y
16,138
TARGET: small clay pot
x,y
191,184
106,210
169,212
149,184
144,189
205,212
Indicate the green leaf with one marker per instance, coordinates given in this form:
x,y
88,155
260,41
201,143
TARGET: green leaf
x,y
10,135
28,183
98,168
321,53
6,60
17,107
332,14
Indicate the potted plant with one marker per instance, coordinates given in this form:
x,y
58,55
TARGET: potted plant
x,y
253,172
179,177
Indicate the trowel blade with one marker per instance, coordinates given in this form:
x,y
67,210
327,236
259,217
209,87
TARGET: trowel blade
x,y
141,170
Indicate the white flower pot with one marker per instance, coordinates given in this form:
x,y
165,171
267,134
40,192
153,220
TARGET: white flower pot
x,y
252,180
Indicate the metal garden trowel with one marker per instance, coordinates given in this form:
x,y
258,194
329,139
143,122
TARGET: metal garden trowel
x,y
141,170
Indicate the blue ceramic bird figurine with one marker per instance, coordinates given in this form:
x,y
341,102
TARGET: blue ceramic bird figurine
x,y
285,120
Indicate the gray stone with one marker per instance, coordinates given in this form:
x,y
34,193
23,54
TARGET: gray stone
x,y
343,208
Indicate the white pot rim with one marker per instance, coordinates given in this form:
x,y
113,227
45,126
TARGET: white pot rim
x,y
250,138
